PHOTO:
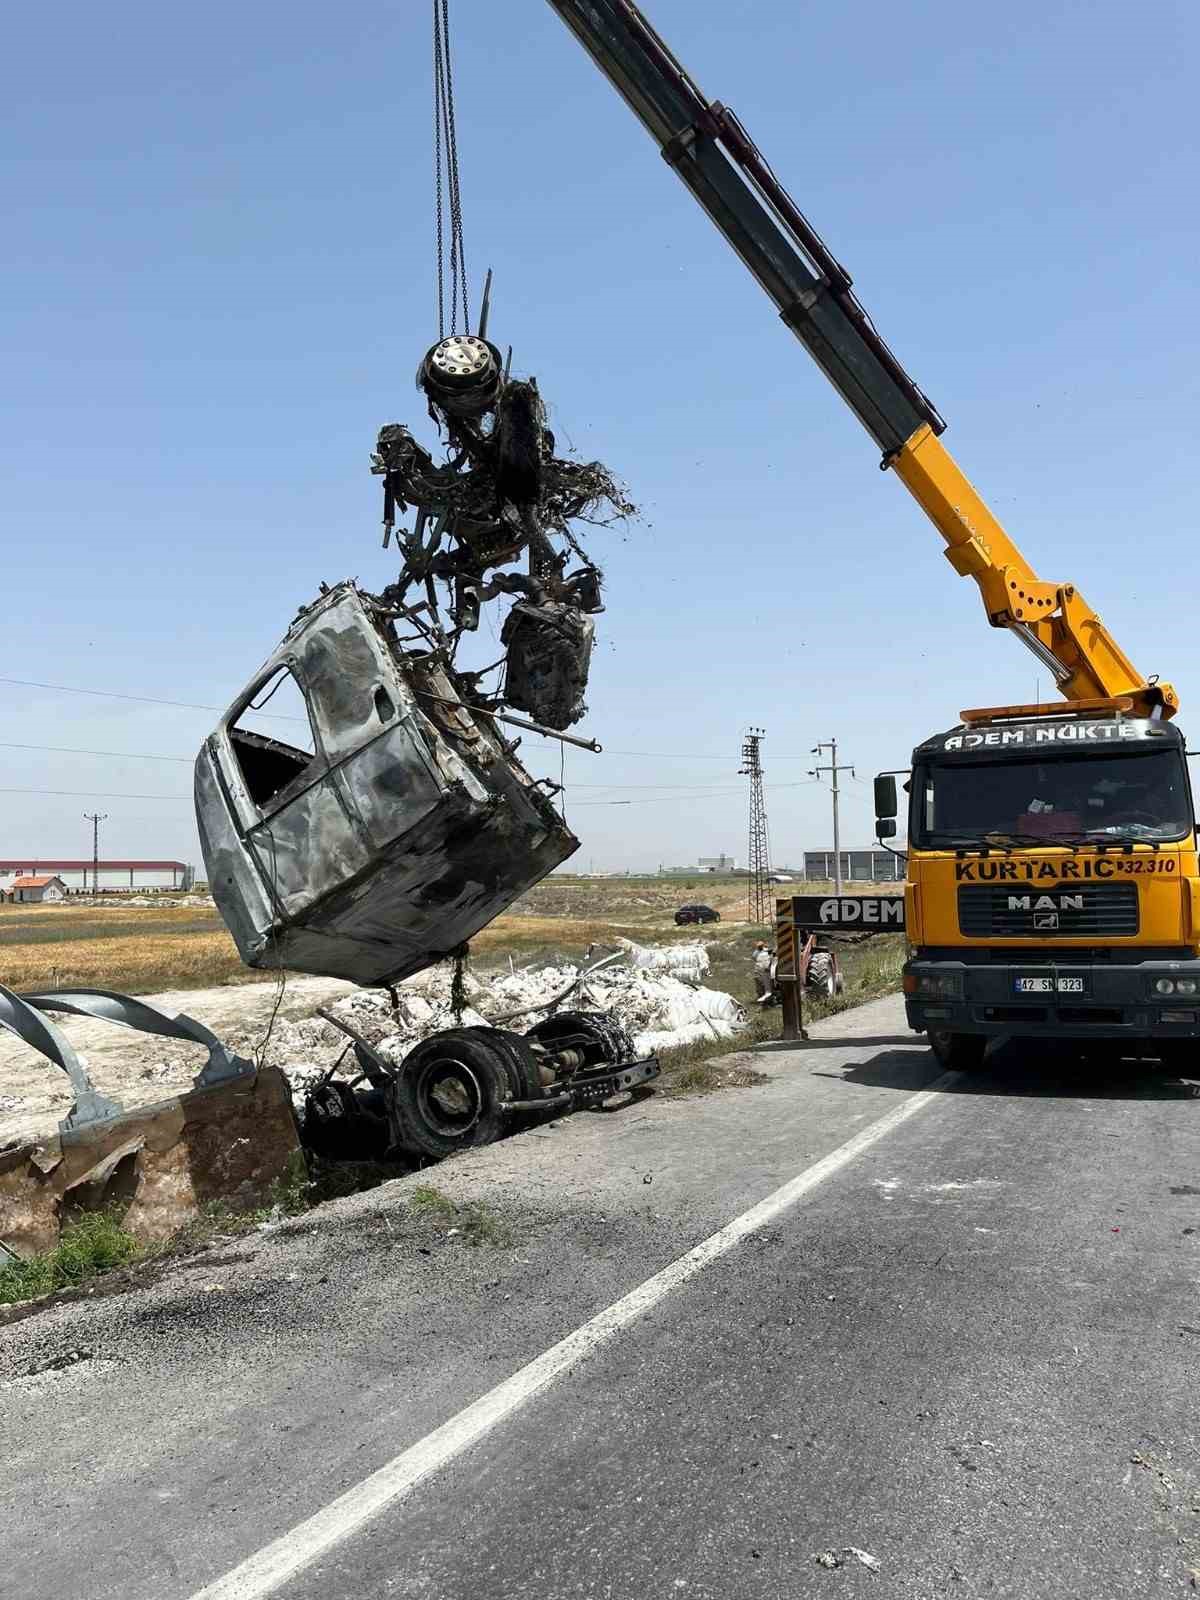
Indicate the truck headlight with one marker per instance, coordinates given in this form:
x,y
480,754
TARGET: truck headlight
x,y
1165,986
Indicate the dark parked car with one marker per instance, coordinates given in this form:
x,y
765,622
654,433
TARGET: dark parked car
x,y
687,914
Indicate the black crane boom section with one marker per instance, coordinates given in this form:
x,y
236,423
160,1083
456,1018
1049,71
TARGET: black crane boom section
x,y
714,156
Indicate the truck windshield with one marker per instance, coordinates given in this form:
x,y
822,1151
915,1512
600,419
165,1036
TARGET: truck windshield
x,y
1127,798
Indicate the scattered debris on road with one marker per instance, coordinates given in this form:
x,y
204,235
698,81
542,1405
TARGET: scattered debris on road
x,y
832,1559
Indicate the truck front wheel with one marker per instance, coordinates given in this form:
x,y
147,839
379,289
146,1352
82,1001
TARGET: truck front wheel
x,y
958,1052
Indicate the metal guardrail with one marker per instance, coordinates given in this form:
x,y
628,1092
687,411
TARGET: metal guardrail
x,y
22,1015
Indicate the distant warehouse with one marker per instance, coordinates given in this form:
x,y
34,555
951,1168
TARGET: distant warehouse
x,y
858,866
108,877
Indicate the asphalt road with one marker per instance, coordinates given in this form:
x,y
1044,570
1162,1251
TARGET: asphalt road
x,y
968,1350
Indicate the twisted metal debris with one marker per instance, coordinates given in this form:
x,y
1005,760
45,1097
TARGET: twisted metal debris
x,y
501,494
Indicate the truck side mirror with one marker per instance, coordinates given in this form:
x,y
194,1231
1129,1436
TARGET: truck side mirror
x,y
885,828
885,797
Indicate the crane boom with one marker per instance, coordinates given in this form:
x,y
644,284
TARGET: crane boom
x,y
714,156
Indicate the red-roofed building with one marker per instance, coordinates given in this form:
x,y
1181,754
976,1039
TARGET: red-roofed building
x,y
35,890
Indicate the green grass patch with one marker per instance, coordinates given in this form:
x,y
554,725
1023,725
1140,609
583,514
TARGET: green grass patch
x,y
94,1245
476,1221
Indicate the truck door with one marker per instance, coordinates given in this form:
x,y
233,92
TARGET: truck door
x,y
301,834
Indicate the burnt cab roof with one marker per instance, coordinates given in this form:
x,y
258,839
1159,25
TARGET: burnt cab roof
x,y
1045,736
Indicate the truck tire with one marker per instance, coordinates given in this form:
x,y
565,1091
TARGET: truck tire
x,y
520,1063
822,975
958,1052
447,1094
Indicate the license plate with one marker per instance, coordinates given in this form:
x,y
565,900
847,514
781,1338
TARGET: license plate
x,y
1050,985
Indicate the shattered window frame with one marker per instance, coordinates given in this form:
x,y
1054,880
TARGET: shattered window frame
x,y
242,739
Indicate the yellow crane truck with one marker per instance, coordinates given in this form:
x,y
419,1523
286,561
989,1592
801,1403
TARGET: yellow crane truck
x,y
1052,879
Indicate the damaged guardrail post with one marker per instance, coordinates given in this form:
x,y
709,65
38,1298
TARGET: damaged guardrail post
x,y
22,1015
19,1016
231,1137
106,1005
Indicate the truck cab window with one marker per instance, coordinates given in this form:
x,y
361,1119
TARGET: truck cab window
x,y
272,737
1128,797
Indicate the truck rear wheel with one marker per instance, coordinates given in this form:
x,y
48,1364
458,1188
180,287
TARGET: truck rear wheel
x,y
958,1052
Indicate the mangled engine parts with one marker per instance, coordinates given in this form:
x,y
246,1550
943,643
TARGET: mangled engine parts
x,y
465,1086
549,649
406,825
501,494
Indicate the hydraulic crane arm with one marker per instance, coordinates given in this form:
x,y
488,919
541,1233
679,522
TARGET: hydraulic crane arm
x,y
714,156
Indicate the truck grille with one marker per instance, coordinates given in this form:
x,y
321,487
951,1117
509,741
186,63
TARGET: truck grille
x,y
1104,910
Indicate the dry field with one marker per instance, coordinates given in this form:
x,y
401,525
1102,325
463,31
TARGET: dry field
x,y
138,949
144,949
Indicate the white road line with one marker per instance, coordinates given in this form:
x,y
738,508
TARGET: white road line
x,y
264,1572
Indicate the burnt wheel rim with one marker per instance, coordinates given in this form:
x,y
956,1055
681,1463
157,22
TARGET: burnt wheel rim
x,y
449,1097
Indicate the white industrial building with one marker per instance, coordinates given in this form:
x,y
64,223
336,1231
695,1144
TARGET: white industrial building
x,y
721,863
870,865
108,877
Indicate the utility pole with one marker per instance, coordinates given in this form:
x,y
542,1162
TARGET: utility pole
x,y
833,769
95,818
759,888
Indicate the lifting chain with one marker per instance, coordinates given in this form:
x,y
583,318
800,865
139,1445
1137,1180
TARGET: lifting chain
x,y
446,185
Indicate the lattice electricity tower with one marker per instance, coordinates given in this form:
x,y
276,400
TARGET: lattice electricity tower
x,y
759,862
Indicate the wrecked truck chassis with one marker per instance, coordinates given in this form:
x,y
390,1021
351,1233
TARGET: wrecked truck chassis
x,y
588,1093
464,1087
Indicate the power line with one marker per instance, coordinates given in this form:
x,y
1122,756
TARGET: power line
x,y
705,794
699,793
663,799
189,705
68,750
675,755
96,818
192,705
146,755
102,794
141,699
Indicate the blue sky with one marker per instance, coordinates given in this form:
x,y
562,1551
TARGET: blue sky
x,y
218,269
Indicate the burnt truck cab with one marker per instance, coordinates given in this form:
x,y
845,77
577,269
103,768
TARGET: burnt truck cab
x,y
381,822
1052,883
